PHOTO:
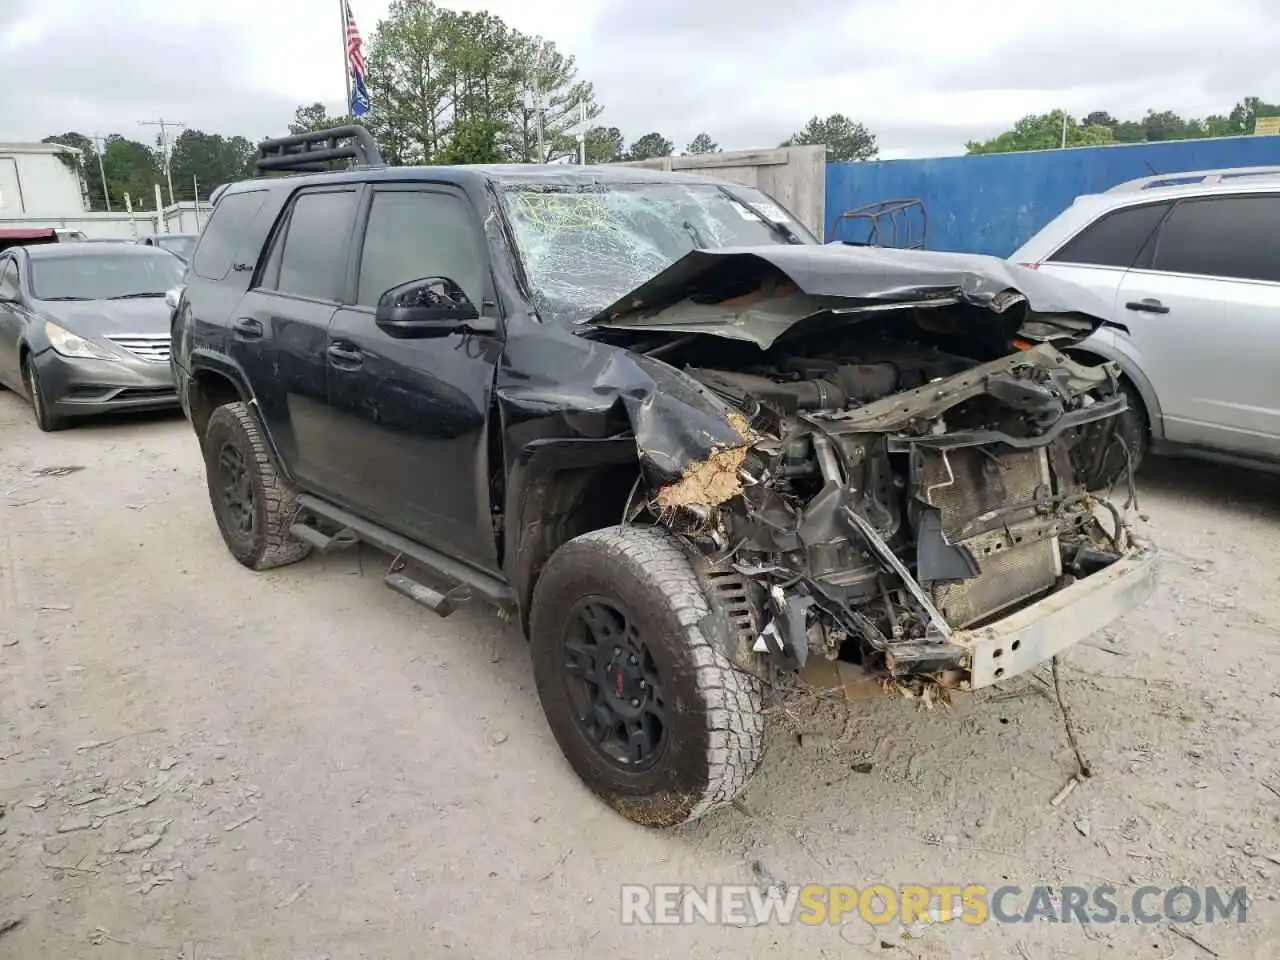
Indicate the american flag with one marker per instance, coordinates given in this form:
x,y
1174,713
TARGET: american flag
x,y
356,68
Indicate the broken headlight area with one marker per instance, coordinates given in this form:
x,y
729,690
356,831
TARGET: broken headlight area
x,y
888,506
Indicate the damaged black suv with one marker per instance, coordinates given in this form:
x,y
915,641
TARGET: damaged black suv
x,y
691,450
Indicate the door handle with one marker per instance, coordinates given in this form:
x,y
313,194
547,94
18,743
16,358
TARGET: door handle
x,y
248,328
345,356
1149,305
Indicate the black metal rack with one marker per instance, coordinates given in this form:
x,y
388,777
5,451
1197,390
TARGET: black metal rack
x,y
897,214
314,152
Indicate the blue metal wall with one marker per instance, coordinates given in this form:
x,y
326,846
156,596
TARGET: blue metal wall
x,y
993,203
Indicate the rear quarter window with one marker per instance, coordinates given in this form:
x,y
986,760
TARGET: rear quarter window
x,y
1115,239
1235,238
225,234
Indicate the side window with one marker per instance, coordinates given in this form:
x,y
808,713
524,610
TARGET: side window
x,y
418,233
1234,237
8,279
309,254
225,232
1114,240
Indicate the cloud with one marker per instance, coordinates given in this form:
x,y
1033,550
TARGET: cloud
x,y
924,75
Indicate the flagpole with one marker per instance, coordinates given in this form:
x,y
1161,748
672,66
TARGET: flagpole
x,y
346,63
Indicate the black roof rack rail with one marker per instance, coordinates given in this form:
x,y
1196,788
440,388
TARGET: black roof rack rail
x,y
311,152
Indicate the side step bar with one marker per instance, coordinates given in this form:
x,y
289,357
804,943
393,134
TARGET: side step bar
x,y
467,582
322,543
441,603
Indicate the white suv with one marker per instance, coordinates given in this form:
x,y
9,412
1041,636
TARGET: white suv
x,y
1190,265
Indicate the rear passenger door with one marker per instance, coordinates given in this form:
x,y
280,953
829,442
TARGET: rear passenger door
x,y
1205,308
279,333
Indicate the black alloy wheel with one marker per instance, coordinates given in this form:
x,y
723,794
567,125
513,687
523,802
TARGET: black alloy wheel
x,y
614,685
237,490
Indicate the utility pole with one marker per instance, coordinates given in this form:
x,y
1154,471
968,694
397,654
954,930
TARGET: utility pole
x,y
164,126
102,170
582,134
533,102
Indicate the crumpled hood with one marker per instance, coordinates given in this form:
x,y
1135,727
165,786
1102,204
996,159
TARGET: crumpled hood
x,y
98,318
838,277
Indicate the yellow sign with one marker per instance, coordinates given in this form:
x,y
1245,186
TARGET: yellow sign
x,y
1266,127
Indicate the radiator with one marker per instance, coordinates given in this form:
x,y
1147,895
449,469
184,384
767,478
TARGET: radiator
x,y
1017,553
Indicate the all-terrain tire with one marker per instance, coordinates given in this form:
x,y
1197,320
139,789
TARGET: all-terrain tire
x,y
715,727
233,429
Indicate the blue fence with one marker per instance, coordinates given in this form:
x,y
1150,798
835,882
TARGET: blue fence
x,y
993,203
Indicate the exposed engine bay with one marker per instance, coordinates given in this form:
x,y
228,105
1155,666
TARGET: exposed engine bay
x,y
902,482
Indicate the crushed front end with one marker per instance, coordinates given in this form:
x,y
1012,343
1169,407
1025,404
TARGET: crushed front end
x,y
909,504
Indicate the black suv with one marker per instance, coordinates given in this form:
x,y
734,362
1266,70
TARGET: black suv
x,y
693,451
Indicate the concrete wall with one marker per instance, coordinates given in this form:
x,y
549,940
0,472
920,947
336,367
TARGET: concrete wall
x,y
95,226
794,176
34,181
994,203
185,217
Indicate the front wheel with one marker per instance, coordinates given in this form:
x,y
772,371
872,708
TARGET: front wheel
x,y
253,503
45,419
652,717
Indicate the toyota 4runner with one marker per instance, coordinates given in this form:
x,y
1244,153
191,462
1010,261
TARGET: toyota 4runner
x,y
690,449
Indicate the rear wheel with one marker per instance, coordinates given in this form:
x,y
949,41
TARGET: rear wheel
x,y
45,420
651,716
254,505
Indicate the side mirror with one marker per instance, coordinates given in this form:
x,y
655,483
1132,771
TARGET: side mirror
x,y
429,307
171,297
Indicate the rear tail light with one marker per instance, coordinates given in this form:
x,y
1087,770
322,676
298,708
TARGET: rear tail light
x,y
1030,266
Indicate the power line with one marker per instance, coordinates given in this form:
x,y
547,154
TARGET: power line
x,y
164,126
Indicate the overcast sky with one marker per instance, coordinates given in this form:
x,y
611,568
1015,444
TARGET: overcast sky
x,y
924,75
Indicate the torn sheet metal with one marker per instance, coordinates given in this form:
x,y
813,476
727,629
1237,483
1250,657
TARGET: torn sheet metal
x,y
691,294
676,421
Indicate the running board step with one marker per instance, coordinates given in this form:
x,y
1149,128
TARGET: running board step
x,y
323,542
435,601
436,564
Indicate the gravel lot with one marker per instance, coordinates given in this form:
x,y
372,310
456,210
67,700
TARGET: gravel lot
x,y
201,762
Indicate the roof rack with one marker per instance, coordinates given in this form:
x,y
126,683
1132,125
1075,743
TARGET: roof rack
x,y
311,152
1183,178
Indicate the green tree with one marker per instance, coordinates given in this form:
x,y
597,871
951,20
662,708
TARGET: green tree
x,y
436,73
1044,132
1099,118
845,139
85,165
208,159
474,140
650,146
604,145
313,116
410,82
1245,114
702,143
543,68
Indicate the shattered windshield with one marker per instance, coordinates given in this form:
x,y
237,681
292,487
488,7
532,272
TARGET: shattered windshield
x,y
585,246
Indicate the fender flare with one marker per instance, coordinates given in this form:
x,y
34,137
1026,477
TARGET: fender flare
x,y
220,365
528,489
1133,373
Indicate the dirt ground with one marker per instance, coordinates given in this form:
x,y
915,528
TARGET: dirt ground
x,y
201,762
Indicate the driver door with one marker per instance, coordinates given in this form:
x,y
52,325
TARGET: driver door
x,y
410,414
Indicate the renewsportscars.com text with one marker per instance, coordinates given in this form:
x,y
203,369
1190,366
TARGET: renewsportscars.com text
x,y
877,904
